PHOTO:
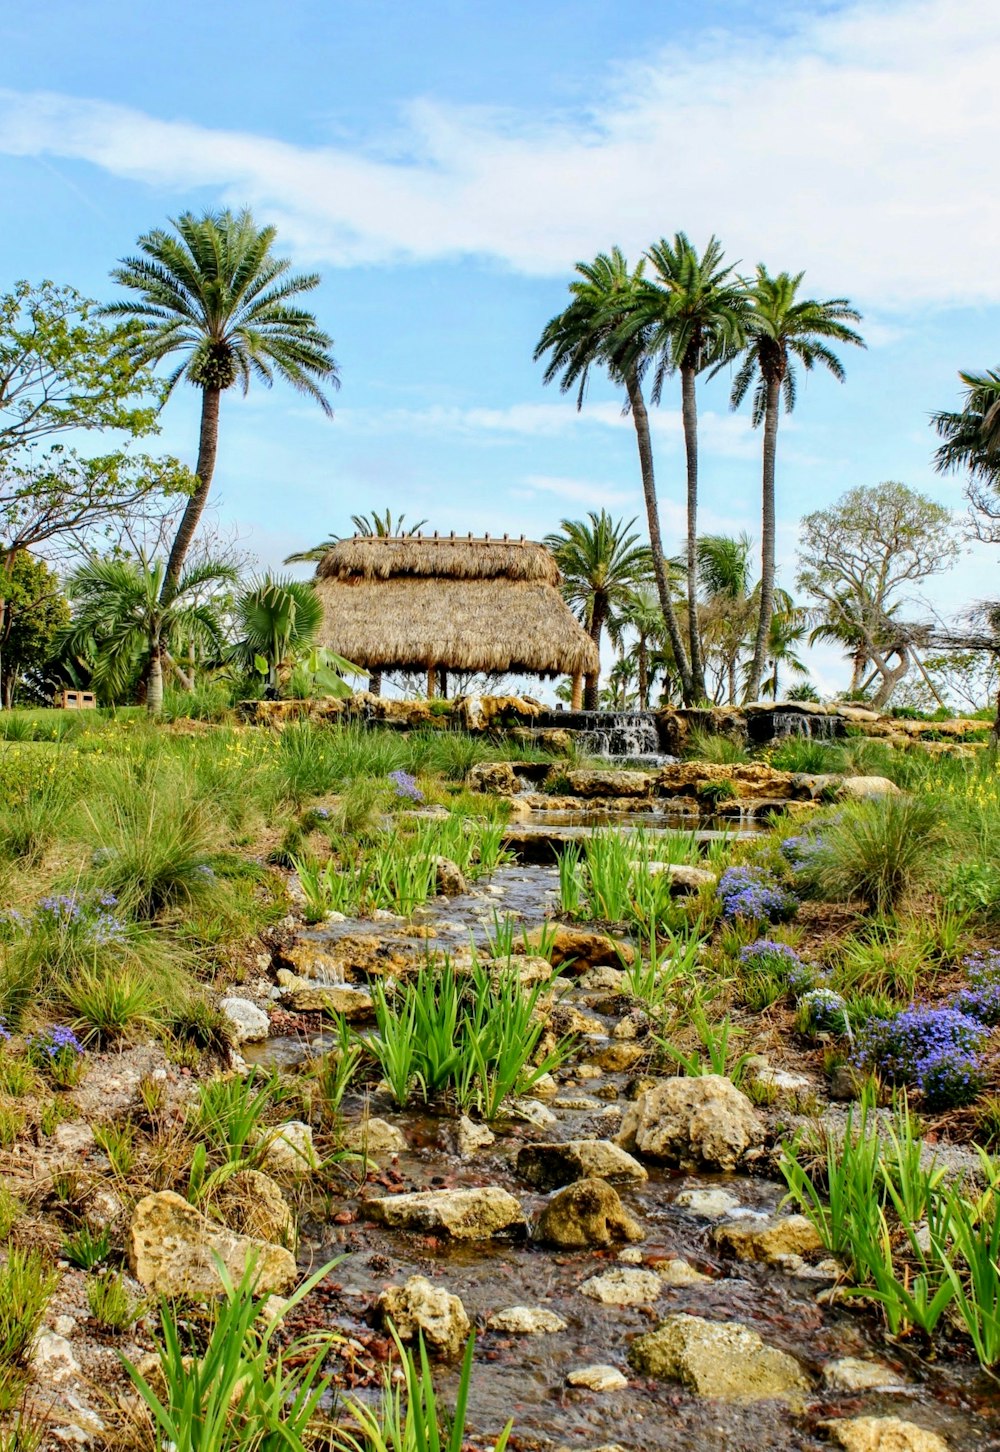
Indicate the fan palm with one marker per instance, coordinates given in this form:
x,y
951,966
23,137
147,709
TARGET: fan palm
x,y
120,618
788,629
602,327
601,563
782,329
638,614
276,617
381,525
694,310
213,293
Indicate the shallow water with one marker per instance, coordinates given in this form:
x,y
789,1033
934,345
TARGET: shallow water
x,y
525,1377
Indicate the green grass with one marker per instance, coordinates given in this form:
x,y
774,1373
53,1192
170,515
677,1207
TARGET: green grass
x,y
878,849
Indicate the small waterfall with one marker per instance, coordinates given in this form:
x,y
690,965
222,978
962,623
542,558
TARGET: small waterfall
x,y
781,722
623,736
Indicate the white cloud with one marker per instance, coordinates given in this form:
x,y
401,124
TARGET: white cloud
x,y
851,145
584,492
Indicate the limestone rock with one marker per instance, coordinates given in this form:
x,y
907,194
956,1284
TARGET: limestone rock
x,y
693,1122
470,1137
680,1273
851,1374
420,1307
717,1359
586,1213
496,777
624,1286
310,960
610,783
683,878
884,1434
526,1321
448,877
252,1204
249,1024
787,1235
53,1360
709,1204
289,1149
582,947
598,1378
171,1250
618,1056
375,1137
303,995
854,787
475,1214
548,1166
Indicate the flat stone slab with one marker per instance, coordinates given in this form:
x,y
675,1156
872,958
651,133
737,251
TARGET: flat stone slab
x,y
461,1214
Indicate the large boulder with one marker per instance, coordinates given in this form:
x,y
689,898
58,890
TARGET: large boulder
x,y
475,1214
717,1359
172,1251
771,1242
610,783
698,1122
854,787
548,1166
251,1203
884,1434
421,1308
751,780
496,777
587,1213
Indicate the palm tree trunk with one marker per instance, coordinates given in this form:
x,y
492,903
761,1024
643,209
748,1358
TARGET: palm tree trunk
x,y
643,663
154,682
375,683
208,443
576,698
767,532
640,419
689,414
598,615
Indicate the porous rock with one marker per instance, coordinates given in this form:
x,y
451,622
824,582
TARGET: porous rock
x,y
249,1024
586,1213
289,1149
421,1308
709,1204
583,947
374,1136
867,786
474,1214
679,1273
304,995
852,1374
526,1321
172,1249
598,1378
470,1137
624,1286
693,1122
884,1434
717,1359
448,877
53,1360
252,1204
549,1166
496,777
784,1236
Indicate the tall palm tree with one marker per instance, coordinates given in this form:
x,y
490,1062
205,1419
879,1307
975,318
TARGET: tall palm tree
x,y
604,327
276,617
601,562
694,309
972,442
371,525
725,579
213,293
639,614
782,329
788,629
120,618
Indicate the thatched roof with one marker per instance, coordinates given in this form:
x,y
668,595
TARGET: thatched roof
x,y
462,603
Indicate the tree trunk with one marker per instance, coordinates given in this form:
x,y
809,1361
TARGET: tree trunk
x,y
208,443
576,700
860,661
375,683
689,413
643,663
890,677
443,683
431,682
154,683
598,615
640,420
767,533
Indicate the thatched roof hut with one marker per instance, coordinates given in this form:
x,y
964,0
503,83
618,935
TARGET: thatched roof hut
x,y
435,604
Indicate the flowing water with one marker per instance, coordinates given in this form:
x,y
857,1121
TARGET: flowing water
x,y
525,1377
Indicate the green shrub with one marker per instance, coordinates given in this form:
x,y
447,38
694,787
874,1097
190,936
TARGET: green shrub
x,y
231,1113
154,849
110,1006
813,758
878,849
87,1248
27,1285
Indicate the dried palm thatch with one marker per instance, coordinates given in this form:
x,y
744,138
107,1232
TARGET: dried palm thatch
x,y
462,604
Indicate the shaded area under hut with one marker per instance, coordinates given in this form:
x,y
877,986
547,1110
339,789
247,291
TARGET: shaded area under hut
x,y
436,604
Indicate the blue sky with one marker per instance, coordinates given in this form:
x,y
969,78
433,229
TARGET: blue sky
x,y
443,165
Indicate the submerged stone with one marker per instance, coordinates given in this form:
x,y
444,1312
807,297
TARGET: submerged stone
x,y
598,1378
624,1286
852,1374
884,1434
526,1321
717,1359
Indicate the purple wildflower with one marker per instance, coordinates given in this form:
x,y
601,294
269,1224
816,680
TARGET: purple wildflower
x,y
751,892
935,1050
406,785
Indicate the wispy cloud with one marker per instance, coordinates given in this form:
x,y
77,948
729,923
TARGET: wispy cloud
x,y
866,123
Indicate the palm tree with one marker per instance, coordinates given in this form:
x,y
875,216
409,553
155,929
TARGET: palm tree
x,y
972,442
694,311
381,525
788,629
276,618
604,327
639,614
121,619
601,563
213,292
782,328
725,576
